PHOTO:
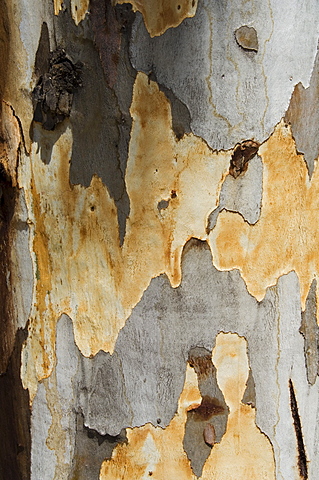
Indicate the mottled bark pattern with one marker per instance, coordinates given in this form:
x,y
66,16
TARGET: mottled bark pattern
x,y
159,189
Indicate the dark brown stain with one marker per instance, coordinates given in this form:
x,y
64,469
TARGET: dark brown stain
x,y
53,94
243,152
209,407
107,37
15,451
202,364
246,37
302,459
173,194
109,24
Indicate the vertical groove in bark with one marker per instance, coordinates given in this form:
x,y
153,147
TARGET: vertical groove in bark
x,y
302,459
15,457
7,203
7,200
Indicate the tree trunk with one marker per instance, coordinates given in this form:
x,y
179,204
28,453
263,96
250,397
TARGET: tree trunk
x,y
159,240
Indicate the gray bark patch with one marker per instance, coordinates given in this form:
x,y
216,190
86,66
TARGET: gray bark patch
x,y
231,93
310,331
242,194
181,119
91,449
211,416
99,118
303,115
302,459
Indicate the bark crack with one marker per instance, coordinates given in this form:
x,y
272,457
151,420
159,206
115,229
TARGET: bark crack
x,y
302,458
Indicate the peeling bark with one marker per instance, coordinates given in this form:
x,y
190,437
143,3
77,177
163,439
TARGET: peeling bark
x,y
155,451
158,208
168,170
275,245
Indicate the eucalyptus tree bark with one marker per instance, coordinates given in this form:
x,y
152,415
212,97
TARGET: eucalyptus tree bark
x,y
159,233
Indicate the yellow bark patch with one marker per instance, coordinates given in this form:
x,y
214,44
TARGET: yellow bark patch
x,y
153,452
79,8
159,15
57,6
244,453
80,267
286,236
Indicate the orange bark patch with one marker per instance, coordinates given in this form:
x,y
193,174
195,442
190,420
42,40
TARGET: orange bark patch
x,y
57,6
286,236
159,15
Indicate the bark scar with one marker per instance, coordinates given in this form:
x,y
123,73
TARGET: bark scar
x,y
302,458
243,152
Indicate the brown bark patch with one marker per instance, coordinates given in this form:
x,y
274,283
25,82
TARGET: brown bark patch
x,y
246,38
241,156
53,94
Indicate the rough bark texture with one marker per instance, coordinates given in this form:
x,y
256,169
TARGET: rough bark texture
x,y
159,189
